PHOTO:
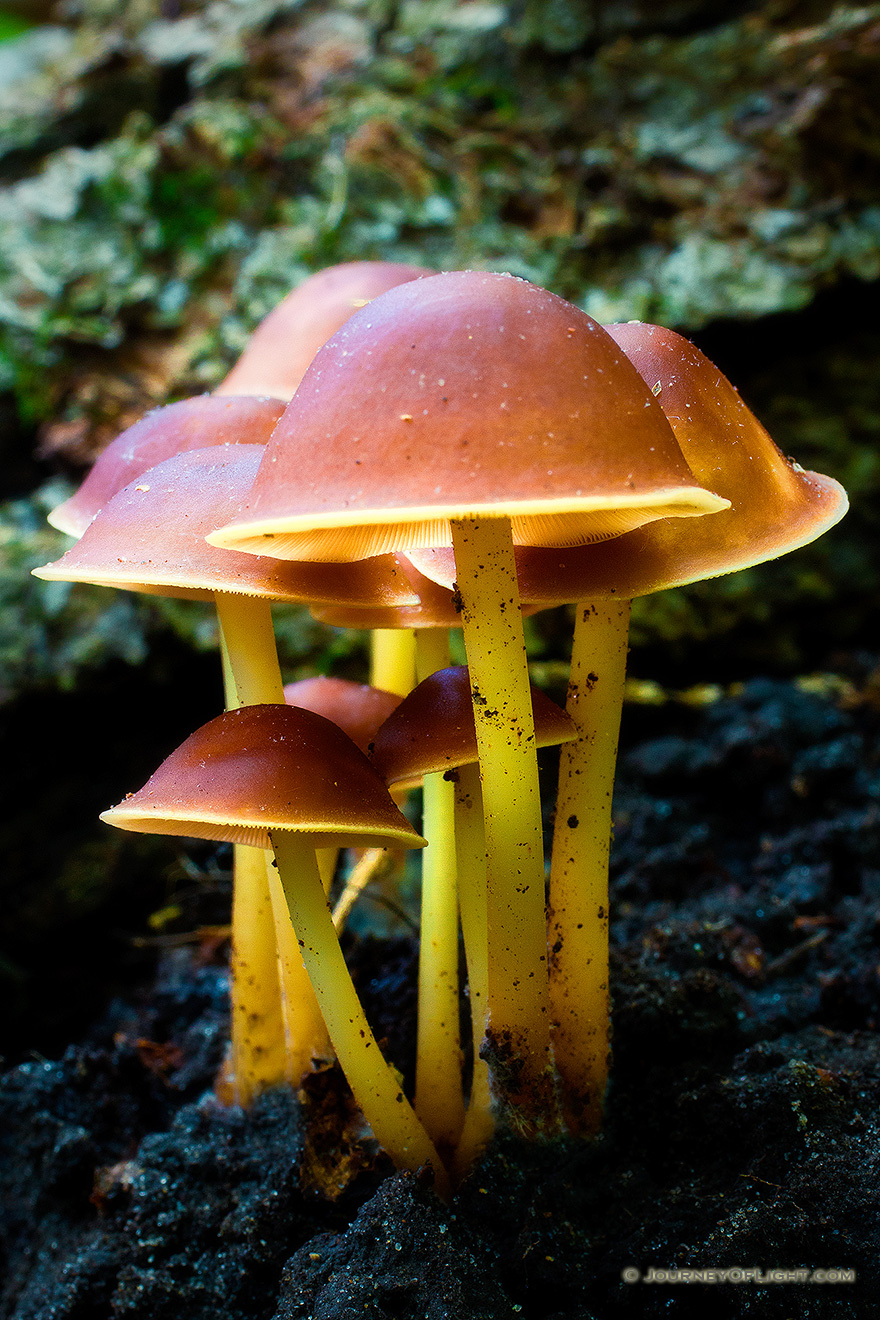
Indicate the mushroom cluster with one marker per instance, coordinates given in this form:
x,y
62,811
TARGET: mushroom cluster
x,y
444,450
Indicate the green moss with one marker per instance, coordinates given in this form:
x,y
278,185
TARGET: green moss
x,y
678,178
49,630
12,26
168,179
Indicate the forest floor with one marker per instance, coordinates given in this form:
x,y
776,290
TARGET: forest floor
x,y
742,1119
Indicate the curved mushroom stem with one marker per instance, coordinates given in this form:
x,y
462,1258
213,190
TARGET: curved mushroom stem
x,y
579,865
439,1101
519,1018
277,1028
470,851
373,1083
371,863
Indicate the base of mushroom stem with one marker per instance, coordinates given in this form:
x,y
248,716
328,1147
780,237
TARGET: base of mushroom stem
x,y
525,1100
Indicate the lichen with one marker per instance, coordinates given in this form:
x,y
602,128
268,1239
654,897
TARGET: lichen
x,y
673,177
164,180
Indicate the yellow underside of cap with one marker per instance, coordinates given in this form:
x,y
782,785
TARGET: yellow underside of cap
x,y
345,536
158,584
321,835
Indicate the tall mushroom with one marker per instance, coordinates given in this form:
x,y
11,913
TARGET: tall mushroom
x,y
774,507
430,419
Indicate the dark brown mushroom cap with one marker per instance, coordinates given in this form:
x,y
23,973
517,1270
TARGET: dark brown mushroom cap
x,y
282,346
191,424
357,708
150,537
456,395
263,768
775,506
433,728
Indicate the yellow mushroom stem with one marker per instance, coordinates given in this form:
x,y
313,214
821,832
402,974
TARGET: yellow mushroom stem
x,y
371,863
470,851
393,660
259,1047
439,1100
439,1096
249,642
277,1028
373,1083
432,651
518,993
306,1037
578,927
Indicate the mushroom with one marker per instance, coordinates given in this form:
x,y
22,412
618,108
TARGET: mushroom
x,y
275,360
286,778
150,537
262,381
283,344
431,419
190,424
358,708
774,507
431,738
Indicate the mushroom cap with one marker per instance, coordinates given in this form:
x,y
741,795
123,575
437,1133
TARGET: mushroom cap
x,y
191,424
433,728
435,606
150,537
775,505
282,346
436,402
259,769
357,708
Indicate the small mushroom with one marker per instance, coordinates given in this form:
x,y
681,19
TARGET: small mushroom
x,y
431,738
358,708
285,778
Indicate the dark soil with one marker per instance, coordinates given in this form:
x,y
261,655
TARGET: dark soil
x,y
742,1125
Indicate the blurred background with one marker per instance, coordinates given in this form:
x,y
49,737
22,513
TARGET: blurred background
x,y
169,170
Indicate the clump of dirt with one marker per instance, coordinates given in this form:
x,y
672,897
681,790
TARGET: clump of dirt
x,y
742,1123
